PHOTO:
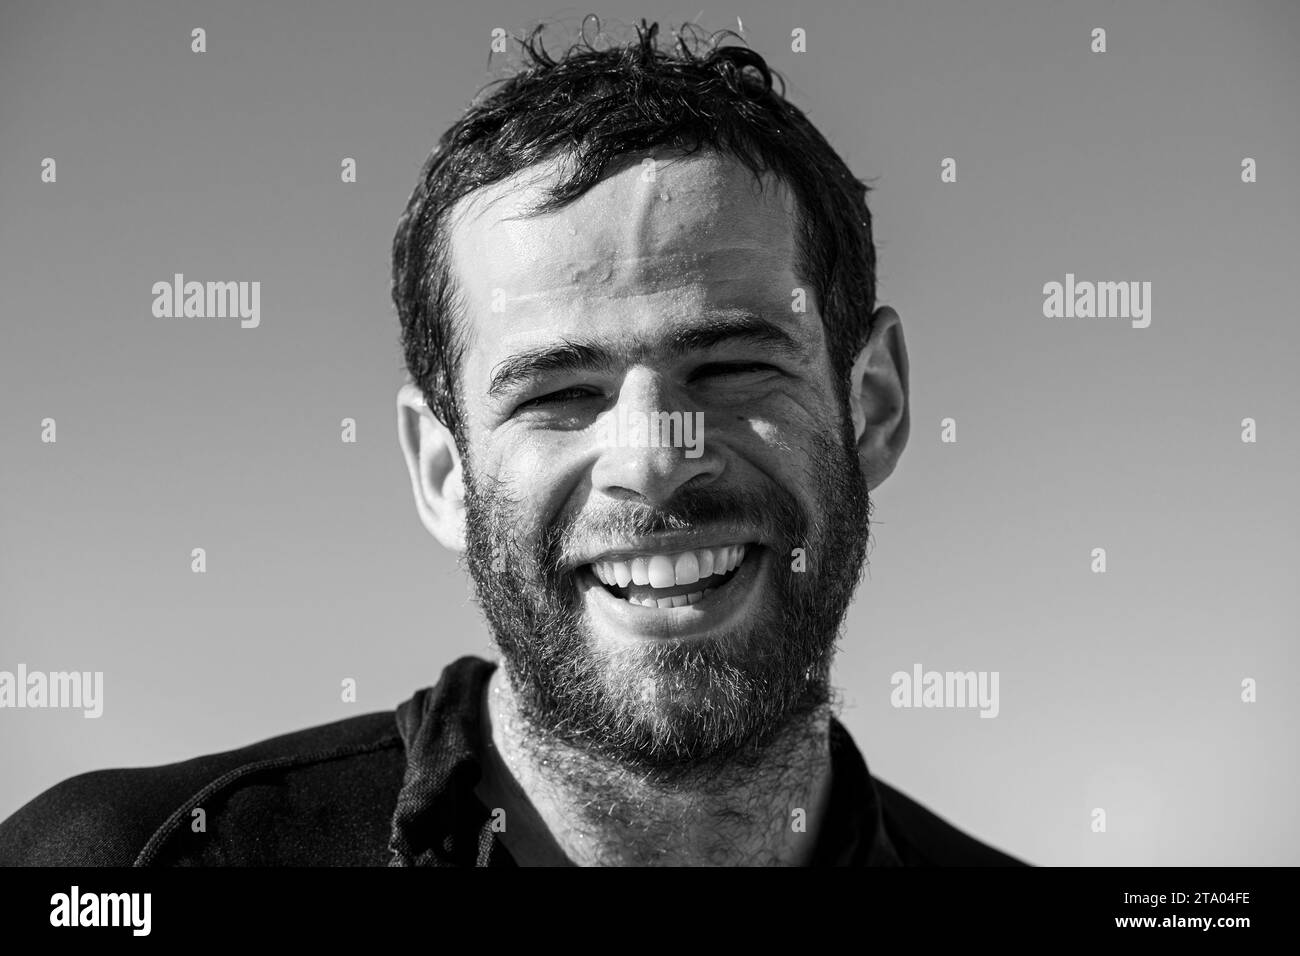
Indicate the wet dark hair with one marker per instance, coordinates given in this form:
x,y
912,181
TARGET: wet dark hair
x,y
597,107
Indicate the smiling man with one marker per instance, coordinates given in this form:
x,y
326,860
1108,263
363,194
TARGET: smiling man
x,y
627,234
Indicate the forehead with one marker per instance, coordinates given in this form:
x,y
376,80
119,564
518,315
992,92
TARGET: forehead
x,y
687,233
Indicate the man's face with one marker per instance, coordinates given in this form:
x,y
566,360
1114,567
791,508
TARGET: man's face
x,y
665,517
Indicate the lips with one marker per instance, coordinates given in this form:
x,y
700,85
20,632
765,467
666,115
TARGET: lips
x,y
669,579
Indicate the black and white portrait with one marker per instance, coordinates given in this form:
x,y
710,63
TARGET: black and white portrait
x,y
849,436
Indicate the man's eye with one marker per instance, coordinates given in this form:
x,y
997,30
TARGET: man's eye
x,y
734,368
559,398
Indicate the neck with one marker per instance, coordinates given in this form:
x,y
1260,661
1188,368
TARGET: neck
x,y
767,812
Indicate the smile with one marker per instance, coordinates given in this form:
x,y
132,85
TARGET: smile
x,y
669,580
673,593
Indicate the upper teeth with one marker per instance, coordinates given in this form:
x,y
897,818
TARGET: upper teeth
x,y
667,570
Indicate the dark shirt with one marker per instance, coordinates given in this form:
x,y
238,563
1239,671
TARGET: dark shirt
x,y
393,789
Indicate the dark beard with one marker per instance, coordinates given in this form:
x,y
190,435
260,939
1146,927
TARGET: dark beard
x,y
674,707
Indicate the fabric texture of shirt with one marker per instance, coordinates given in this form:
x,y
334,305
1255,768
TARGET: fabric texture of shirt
x,y
391,789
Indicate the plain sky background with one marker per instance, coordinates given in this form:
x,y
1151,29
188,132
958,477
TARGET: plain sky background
x,y
1118,691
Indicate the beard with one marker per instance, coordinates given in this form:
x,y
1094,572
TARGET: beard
x,y
667,707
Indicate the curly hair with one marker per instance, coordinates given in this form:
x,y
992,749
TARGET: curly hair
x,y
595,107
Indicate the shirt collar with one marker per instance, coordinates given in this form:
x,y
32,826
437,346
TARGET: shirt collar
x,y
439,821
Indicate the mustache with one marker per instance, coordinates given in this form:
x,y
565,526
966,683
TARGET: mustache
x,y
767,513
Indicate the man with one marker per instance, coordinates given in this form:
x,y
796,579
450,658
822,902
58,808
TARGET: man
x,y
650,395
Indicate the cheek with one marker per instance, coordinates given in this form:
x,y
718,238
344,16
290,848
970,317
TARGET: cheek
x,y
779,452
784,450
536,473
785,425
773,441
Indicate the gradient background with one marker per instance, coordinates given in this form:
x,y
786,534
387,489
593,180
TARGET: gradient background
x,y
1118,691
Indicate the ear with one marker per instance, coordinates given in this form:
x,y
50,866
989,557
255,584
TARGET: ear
x,y
434,463
878,398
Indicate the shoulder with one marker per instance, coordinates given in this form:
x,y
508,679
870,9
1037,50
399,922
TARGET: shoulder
x,y
923,838
280,800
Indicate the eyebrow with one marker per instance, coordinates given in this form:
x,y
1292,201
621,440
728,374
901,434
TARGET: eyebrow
x,y
569,355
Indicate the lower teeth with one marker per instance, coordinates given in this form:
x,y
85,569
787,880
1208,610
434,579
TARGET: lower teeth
x,y
640,595
680,600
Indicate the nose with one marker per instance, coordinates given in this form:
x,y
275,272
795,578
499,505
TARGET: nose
x,y
651,443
